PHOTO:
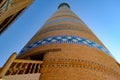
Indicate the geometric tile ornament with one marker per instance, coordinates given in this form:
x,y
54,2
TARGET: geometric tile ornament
x,y
66,39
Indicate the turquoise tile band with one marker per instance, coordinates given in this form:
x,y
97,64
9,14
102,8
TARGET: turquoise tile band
x,y
65,39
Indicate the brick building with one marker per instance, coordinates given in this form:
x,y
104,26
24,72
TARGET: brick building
x,y
10,10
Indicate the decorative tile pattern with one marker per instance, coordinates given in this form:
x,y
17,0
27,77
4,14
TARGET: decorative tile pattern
x,y
65,39
5,6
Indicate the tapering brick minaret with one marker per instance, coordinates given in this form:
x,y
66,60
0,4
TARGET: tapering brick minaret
x,y
70,50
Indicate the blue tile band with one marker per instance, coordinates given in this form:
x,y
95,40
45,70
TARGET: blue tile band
x,y
64,27
65,39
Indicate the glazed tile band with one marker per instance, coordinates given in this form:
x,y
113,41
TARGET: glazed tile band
x,y
66,39
65,19
63,27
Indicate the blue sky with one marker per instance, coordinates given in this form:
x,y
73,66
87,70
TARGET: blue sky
x,y
101,16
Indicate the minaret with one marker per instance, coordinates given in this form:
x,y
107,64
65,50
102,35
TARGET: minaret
x,y
70,50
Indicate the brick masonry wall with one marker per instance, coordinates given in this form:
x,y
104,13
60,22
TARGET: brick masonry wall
x,y
74,60
23,77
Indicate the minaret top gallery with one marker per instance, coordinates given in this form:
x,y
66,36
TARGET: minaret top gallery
x,y
70,50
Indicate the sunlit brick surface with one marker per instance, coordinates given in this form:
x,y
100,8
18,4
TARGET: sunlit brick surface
x,y
35,76
71,50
